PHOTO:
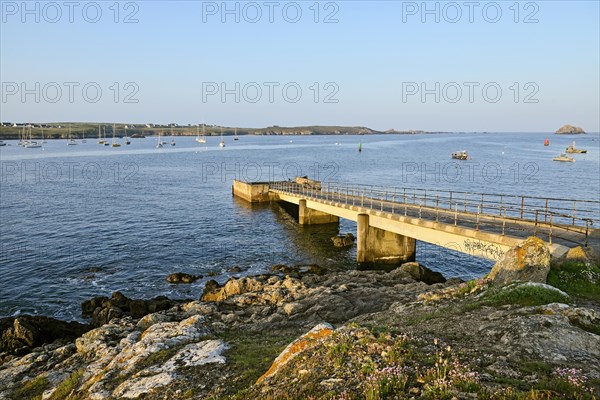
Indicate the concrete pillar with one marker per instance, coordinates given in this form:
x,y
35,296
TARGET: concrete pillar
x,y
380,246
308,216
362,232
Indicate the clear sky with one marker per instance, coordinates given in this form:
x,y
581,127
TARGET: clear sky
x,y
451,66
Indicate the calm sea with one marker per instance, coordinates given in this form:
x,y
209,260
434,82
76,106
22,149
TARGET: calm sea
x,y
86,220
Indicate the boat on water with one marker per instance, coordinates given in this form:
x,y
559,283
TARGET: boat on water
x,y
29,143
71,141
100,139
127,141
360,147
564,158
2,143
172,138
460,155
235,136
573,150
105,141
222,142
200,139
114,139
546,142
159,145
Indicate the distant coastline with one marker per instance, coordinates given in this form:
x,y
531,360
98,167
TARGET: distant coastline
x,y
60,130
89,130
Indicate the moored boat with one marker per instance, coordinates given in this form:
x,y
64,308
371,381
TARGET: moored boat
x,y
564,158
460,155
572,150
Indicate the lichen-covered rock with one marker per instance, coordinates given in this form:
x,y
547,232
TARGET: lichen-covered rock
x,y
309,339
155,377
586,255
528,261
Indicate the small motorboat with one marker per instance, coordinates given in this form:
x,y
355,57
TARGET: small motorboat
x,y
571,149
564,158
460,155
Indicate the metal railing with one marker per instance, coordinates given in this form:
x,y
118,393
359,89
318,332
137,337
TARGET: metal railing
x,y
566,219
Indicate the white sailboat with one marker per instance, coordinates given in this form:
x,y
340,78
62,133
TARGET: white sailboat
x,y
126,138
83,136
172,138
160,143
235,136
114,140
71,141
100,140
222,142
22,137
30,143
105,141
198,138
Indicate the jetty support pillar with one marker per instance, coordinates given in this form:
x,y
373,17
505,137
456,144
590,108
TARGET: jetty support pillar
x,y
376,245
308,216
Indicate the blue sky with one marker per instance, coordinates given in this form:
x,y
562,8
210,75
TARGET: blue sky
x,y
374,63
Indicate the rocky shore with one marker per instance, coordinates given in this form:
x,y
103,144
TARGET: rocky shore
x,y
303,332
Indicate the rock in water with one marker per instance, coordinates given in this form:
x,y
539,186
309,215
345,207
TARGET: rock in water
x,y
570,130
527,261
346,240
182,277
102,309
422,273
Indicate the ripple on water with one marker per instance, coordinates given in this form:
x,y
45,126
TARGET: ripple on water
x,y
67,240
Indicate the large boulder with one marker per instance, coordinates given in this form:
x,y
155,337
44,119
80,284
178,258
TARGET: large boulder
x,y
20,335
421,273
586,255
102,309
527,261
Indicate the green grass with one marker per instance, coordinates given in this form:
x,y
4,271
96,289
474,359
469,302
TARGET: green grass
x,y
251,354
522,295
64,389
577,279
32,389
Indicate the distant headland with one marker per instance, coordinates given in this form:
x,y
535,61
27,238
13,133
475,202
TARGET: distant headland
x,y
569,130
58,130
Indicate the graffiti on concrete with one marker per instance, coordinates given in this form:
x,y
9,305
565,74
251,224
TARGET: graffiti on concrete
x,y
488,250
